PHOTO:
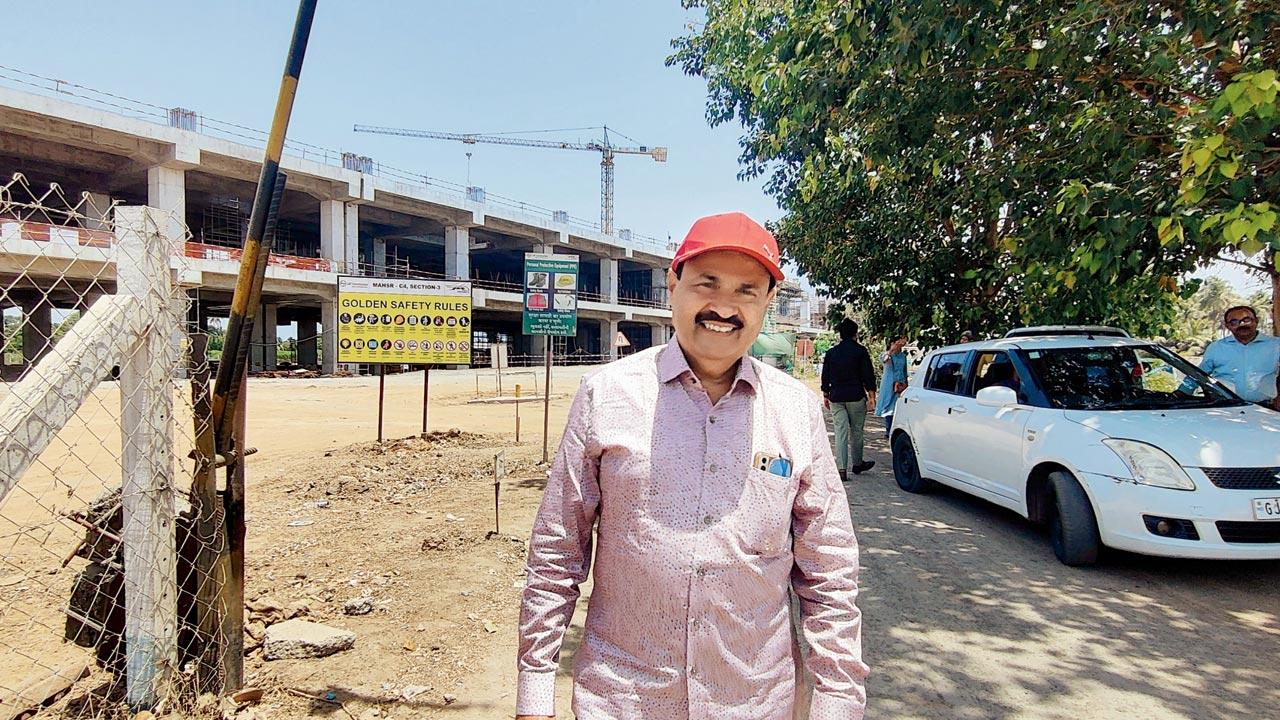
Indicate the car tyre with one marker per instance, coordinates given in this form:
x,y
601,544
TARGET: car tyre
x,y
1073,529
906,469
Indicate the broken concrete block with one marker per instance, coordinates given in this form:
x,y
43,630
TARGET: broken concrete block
x,y
358,606
297,639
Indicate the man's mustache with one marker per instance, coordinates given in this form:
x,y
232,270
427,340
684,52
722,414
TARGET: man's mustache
x,y
709,316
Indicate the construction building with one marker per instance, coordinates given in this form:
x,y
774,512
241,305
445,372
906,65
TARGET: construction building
x,y
341,214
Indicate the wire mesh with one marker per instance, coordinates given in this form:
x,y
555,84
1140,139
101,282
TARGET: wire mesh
x,y
104,520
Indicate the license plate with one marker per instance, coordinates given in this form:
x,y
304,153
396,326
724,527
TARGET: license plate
x,y
1266,509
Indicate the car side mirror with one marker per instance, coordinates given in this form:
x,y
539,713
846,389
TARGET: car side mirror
x,y
997,396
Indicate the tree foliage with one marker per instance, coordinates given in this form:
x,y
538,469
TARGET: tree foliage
x,y
947,164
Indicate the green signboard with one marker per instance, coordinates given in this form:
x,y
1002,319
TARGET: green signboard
x,y
550,294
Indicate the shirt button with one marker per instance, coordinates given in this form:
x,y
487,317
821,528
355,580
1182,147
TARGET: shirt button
x,y
707,519
712,467
700,572
712,419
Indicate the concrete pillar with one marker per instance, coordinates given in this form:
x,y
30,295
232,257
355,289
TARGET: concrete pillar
x,y
308,342
329,339
659,333
537,346
97,211
659,285
457,253
544,249
379,256
167,191
333,231
37,330
608,335
609,280
351,252
263,347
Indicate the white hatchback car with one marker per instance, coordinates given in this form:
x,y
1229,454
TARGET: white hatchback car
x,y
1110,441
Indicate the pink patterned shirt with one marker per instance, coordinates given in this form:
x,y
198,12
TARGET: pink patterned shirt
x,y
697,548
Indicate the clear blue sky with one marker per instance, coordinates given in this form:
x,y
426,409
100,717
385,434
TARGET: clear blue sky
x,y
454,66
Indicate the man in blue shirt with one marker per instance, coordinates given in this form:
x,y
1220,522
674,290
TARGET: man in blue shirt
x,y
1248,360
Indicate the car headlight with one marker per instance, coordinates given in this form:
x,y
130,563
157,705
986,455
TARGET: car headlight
x,y
1150,465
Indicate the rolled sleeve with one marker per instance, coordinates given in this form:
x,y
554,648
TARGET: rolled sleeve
x,y
536,693
559,559
825,579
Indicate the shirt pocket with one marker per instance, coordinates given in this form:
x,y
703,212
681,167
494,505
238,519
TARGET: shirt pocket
x,y
764,513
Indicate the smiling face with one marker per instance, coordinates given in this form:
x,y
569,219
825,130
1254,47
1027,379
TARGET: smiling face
x,y
717,306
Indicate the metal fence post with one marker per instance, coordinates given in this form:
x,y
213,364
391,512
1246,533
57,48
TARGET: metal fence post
x,y
146,425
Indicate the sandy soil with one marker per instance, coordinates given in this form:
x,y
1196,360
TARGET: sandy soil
x,y
311,434
968,614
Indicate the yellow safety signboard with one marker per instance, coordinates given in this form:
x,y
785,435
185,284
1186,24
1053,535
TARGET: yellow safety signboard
x,y
403,321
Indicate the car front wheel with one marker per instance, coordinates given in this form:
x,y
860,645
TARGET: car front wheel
x,y
905,468
1073,529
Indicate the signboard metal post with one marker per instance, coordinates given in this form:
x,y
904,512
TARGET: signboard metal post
x,y
426,396
546,403
382,394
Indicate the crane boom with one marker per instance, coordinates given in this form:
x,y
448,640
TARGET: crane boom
x,y
606,149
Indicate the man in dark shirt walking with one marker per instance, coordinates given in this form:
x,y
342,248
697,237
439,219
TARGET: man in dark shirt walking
x,y
848,383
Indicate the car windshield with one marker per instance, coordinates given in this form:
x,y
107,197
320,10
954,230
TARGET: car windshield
x,y
1145,377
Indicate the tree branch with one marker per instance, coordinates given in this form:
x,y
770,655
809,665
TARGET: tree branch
x,y
1260,268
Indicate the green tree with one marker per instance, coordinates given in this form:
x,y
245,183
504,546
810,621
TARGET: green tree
x,y
947,164
1264,303
217,336
1229,185
12,339
65,326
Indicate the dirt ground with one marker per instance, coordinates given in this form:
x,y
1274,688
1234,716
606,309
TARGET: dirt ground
x,y
967,613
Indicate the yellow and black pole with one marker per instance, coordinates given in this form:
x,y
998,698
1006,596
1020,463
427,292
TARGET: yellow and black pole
x,y
257,243
228,402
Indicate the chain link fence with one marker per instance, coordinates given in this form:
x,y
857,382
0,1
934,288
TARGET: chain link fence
x,y
112,550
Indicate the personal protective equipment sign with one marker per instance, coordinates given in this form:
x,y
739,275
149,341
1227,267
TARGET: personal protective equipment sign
x,y
550,294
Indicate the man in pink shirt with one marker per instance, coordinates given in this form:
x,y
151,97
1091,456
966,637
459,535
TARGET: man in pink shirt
x,y
710,485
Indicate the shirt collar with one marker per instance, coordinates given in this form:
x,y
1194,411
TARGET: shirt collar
x,y
672,364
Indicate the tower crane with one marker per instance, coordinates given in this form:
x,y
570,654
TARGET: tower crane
x,y
604,146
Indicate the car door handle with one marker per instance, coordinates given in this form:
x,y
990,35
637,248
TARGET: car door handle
x,y
956,410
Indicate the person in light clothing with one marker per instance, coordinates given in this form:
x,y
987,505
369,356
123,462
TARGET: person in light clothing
x,y
893,379
1247,359
710,485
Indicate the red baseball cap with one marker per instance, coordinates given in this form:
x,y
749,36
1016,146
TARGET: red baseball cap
x,y
730,231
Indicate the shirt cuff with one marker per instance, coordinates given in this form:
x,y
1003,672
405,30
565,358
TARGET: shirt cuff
x,y
536,693
833,707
